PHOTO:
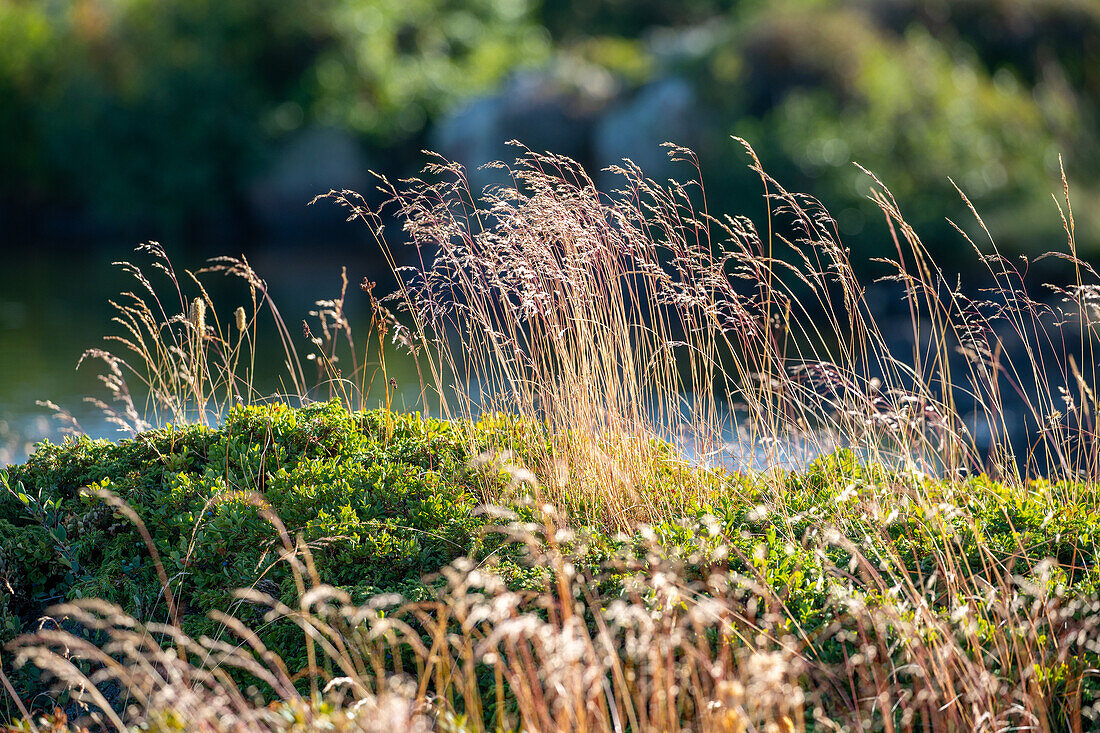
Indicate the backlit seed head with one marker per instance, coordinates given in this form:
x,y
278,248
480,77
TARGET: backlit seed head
x,y
198,316
241,318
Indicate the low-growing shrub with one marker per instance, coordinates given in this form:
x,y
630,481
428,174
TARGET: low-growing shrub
x,y
380,499
809,569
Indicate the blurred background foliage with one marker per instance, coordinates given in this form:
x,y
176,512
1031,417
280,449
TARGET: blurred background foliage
x,y
168,109
177,118
209,124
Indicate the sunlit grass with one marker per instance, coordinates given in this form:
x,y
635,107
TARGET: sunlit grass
x,y
728,504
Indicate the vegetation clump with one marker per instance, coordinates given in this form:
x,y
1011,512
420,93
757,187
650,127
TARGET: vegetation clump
x,y
678,482
380,498
378,515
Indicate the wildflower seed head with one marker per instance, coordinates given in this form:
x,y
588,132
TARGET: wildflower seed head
x,y
241,318
198,315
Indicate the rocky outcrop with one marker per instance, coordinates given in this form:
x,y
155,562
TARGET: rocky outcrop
x,y
539,109
664,111
311,162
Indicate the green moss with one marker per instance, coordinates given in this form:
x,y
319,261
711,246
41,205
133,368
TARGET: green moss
x,y
381,500
384,501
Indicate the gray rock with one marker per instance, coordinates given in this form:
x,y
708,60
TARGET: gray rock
x,y
543,110
664,111
312,162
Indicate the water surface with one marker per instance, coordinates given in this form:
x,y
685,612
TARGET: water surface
x,y
54,305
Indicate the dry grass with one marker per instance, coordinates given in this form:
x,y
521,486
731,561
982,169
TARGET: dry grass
x,y
188,365
609,320
614,318
686,644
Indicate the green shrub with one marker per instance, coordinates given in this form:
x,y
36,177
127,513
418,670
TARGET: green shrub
x,y
381,500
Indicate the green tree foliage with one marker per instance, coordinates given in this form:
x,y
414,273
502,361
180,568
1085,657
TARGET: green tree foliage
x,y
986,92
164,110
817,90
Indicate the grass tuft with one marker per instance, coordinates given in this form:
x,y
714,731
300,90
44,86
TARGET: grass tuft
x,y
680,476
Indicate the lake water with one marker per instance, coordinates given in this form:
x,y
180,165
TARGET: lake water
x,y
54,305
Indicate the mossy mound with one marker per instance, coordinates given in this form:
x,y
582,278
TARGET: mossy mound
x,y
381,500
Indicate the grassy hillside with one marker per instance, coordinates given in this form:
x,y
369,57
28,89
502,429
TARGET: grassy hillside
x,y
679,483
853,579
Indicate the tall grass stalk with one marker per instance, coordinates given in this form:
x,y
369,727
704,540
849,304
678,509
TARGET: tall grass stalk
x,y
613,318
191,366
609,321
